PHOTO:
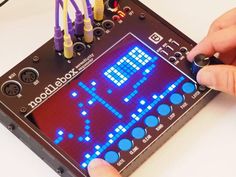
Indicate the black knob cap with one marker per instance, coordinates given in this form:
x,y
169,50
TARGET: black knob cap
x,y
199,62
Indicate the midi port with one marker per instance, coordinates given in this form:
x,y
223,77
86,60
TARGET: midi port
x,y
98,32
108,24
79,47
28,75
11,88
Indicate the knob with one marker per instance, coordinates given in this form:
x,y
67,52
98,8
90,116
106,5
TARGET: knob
x,y
199,62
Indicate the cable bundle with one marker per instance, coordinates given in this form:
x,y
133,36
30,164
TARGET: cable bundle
x,y
82,26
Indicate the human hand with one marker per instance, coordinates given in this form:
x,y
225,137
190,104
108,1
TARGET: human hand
x,y
221,38
100,168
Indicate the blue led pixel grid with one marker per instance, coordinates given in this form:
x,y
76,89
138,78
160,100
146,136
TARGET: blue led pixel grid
x,y
128,65
127,85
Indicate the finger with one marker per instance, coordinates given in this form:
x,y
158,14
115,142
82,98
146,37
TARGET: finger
x,y
219,77
100,168
226,20
221,41
229,57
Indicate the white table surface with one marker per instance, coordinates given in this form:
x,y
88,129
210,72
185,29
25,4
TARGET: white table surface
x,y
205,147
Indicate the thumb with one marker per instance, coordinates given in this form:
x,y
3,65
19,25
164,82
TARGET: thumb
x,y
100,168
219,77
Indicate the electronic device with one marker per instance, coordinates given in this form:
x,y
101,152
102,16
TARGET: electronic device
x,y
119,98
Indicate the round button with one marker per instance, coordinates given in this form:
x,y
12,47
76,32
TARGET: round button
x,y
112,157
125,145
138,133
164,110
176,99
152,121
188,87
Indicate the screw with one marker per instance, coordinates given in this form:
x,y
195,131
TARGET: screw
x,y
36,59
142,16
60,171
11,127
202,88
23,110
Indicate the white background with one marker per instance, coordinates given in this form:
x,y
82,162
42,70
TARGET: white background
x,y
205,147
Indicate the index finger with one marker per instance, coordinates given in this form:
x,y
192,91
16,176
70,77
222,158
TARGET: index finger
x,y
221,41
224,21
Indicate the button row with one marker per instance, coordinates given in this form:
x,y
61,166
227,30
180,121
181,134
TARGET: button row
x,y
151,122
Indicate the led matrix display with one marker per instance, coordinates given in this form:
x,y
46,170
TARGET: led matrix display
x,y
89,115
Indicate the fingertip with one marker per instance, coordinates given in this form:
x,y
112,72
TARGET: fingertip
x,y
96,163
101,168
206,77
191,55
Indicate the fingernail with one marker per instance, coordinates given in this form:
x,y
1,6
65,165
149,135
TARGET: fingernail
x,y
206,78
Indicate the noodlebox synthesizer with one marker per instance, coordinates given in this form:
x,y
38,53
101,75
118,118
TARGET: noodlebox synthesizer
x,y
119,97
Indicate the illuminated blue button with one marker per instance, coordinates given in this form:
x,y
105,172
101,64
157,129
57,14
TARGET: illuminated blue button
x,y
125,145
164,110
176,99
112,157
152,121
188,88
138,133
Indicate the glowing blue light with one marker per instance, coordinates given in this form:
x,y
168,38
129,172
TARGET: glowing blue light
x,y
84,165
74,94
90,102
70,136
58,140
87,133
154,97
120,127
126,100
140,110
97,153
110,135
87,138
142,102
87,156
149,107
80,139
84,113
80,105
93,83
97,147
60,132
170,88
123,130
111,141
87,121
133,116
87,127
109,91
162,97
147,71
